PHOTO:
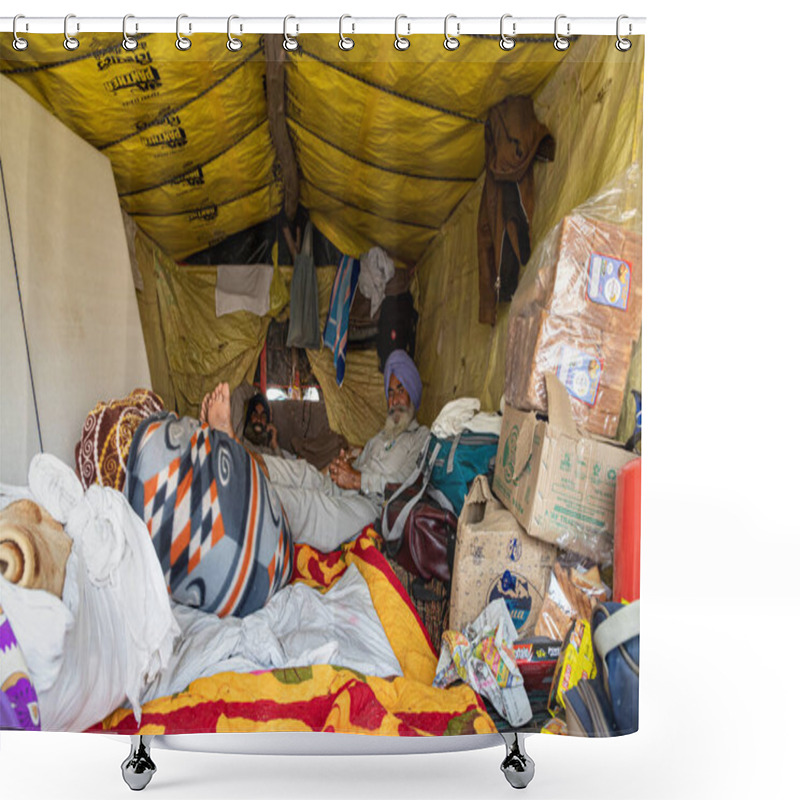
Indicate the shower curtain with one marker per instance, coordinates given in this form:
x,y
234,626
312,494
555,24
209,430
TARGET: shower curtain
x,y
155,579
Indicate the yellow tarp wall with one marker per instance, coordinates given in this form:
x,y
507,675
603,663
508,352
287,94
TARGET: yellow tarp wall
x,y
593,108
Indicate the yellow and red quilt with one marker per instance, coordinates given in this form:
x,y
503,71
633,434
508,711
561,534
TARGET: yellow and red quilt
x,y
324,697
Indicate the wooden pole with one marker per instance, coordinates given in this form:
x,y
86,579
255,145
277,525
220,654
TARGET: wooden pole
x,y
275,57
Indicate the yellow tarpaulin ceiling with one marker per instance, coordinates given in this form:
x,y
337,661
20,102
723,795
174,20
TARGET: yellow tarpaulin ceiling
x,y
390,151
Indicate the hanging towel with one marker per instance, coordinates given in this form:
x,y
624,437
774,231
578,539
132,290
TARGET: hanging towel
x,y
377,269
304,306
243,287
344,287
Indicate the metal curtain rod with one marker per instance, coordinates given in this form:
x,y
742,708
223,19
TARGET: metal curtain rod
x,y
294,26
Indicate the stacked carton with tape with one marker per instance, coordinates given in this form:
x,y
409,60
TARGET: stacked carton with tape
x,y
578,318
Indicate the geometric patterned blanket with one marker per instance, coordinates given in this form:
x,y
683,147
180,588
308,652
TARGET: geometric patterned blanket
x,y
216,523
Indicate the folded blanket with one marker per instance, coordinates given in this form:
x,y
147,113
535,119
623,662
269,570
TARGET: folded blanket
x,y
216,523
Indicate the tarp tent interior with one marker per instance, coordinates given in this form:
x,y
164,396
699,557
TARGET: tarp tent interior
x,y
389,151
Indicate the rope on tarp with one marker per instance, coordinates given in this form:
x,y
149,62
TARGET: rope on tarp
x,y
393,92
382,167
198,209
369,211
187,172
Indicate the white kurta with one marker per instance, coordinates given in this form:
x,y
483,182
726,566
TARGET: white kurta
x,y
324,516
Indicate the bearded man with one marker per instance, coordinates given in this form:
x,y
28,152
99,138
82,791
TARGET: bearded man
x,y
259,432
325,511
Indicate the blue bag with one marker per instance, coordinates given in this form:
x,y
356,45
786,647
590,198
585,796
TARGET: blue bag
x,y
457,463
608,705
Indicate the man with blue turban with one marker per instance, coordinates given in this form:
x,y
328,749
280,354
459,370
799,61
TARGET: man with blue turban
x,y
326,510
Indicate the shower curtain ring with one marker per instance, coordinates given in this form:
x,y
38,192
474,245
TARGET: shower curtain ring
x,y
345,42
289,42
182,43
70,42
400,42
19,43
506,42
451,42
560,43
129,42
234,44
623,44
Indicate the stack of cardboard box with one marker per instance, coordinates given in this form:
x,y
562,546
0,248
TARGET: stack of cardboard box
x,y
578,316
571,331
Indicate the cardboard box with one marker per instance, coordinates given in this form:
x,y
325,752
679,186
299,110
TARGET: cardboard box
x,y
589,270
578,316
592,364
495,558
558,484
537,659
597,275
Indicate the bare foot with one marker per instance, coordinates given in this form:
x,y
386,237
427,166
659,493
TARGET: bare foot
x,y
217,409
204,409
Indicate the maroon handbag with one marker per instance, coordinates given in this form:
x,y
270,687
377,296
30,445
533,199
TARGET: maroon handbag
x,y
427,545
429,540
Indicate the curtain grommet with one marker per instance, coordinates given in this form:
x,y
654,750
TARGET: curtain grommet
x,y
623,45
451,42
345,42
507,42
401,42
70,42
233,44
19,43
559,42
129,42
182,42
289,42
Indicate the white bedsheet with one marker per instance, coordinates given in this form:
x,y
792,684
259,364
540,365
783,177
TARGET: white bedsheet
x,y
300,626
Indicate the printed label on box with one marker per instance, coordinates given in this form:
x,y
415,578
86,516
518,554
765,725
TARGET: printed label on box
x,y
580,373
609,281
516,592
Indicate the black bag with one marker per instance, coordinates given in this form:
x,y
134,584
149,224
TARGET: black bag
x,y
397,326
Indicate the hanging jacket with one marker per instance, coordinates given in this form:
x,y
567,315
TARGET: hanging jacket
x,y
514,138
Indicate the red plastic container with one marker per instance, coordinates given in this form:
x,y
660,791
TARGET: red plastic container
x,y
627,532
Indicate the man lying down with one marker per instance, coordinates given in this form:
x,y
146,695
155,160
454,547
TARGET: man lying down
x,y
223,519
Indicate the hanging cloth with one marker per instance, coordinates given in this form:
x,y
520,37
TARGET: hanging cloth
x,y
243,287
304,307
514,138
344,287
377,269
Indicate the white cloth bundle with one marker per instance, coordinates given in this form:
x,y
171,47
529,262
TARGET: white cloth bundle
x,y
113,630
464,413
